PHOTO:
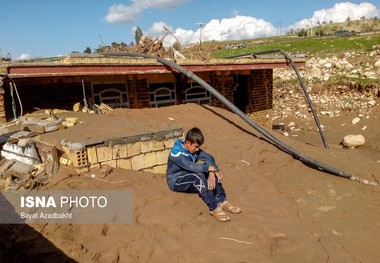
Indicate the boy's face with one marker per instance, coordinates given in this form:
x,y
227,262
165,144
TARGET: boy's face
x,y
192,147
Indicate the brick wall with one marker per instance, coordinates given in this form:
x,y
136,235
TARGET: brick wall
x,y
146,152
263,118
223,83
262,97
138,92
262,90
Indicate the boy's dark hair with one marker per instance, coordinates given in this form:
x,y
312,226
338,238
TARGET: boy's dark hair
x,y
195,135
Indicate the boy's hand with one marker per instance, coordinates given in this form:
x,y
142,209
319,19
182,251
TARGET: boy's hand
x,y
211,181
219,175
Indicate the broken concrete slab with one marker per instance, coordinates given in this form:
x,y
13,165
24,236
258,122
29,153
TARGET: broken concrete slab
x,y
27,154
41,126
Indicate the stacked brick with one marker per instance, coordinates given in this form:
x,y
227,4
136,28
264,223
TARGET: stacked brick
x,y
263,118
148,152
223,84
142,94
262,89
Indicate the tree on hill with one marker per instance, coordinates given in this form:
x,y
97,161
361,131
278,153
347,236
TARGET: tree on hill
x,y
138,34
302,33
348,21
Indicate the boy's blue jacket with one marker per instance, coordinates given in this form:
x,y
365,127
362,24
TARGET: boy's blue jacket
x,y
180,160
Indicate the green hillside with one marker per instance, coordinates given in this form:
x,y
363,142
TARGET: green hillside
x,y
321,41
311,46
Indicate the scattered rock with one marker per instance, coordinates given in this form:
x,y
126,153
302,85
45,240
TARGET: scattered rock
x,y
291,125
355,120
288,99
353,140
371,102
377,64
77,107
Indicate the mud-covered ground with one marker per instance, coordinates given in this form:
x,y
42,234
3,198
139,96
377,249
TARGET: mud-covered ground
x,y
291,212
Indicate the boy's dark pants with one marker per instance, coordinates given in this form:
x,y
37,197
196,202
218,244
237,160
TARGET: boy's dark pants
x,y
197,183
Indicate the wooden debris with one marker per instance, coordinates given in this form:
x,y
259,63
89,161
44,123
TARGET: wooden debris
x,y
4,165
146,45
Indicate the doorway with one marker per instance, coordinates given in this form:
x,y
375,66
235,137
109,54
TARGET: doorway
x,y
241,92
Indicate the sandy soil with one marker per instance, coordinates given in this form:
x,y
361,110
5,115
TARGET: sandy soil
x,y
291,212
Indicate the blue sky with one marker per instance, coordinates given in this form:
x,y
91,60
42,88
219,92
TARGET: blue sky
x,y
45,28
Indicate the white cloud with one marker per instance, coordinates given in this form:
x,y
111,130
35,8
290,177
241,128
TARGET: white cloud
x,y
236,28
240,27
129,13
24,56
339,13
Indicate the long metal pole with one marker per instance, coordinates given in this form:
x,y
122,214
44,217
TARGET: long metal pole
x,y
303,158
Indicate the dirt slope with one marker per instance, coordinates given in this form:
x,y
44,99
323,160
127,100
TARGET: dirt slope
x,y
291,213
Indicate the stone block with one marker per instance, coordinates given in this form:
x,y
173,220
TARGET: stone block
x,y
150,159
170,142
104,153
138,162
124,164
162,156
91,155
120,151
160,169
149,146
133,149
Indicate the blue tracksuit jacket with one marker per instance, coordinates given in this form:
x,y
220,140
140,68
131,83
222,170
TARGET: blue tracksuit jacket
x,y
181,160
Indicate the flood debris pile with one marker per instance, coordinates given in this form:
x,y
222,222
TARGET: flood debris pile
x,y
146,45
26,161
95,108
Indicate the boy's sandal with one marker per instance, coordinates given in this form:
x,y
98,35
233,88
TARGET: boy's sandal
x,y
230,208
219,215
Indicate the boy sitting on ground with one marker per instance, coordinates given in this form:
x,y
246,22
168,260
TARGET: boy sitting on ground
x,y
185,174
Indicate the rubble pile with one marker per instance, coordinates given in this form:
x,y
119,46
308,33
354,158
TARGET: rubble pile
x,y
26,161
328,99
146,45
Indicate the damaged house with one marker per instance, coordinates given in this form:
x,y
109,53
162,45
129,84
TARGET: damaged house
x,y
125,82
129,82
